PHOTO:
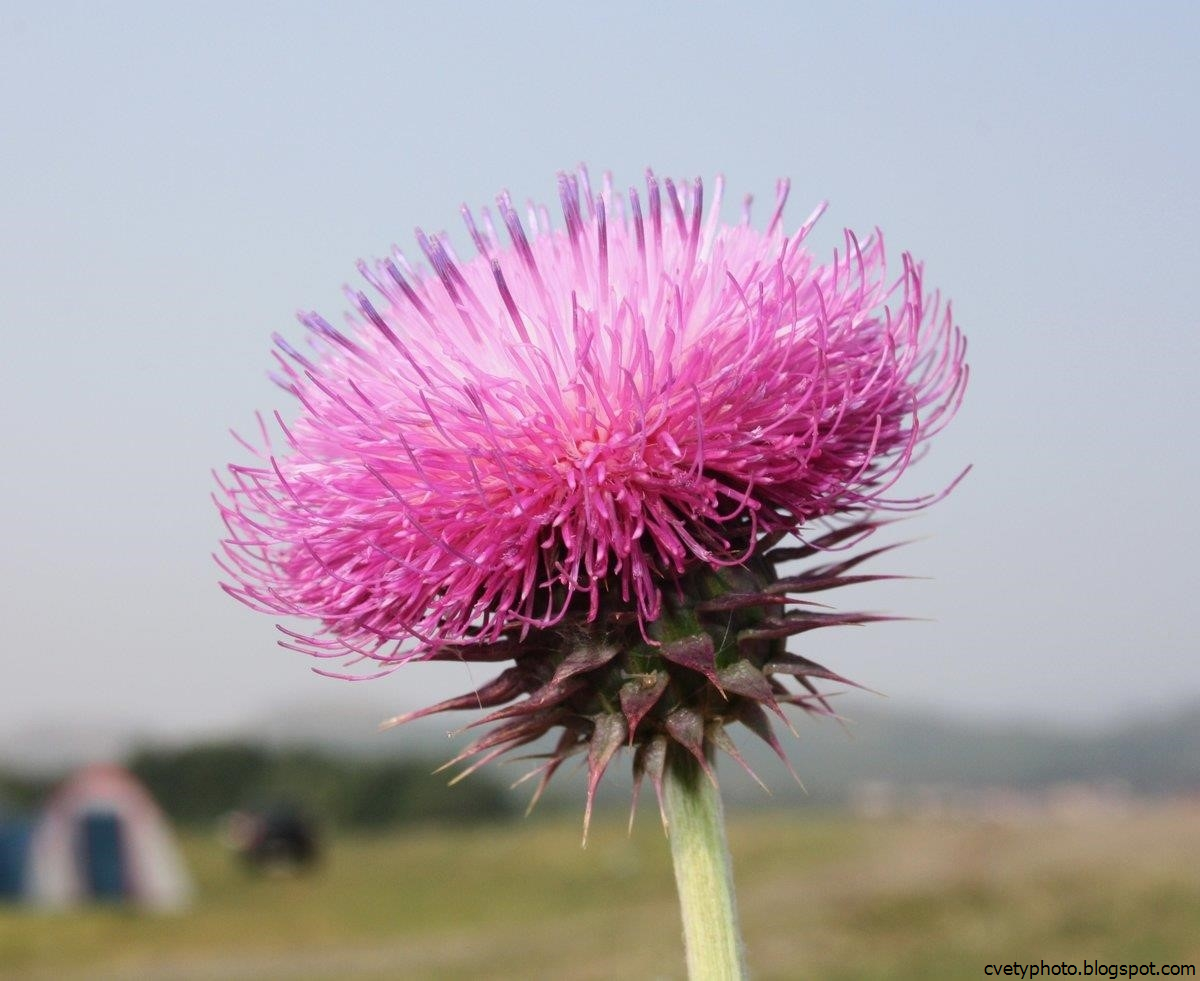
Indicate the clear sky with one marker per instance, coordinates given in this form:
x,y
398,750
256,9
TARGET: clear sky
x,y
176,179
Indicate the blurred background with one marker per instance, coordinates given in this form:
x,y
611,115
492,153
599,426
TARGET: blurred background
x,y
177,179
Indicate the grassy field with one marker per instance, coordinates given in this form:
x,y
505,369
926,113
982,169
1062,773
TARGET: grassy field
x,y
828,897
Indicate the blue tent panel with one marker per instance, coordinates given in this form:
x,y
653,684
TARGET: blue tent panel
x,y
103,856
14,855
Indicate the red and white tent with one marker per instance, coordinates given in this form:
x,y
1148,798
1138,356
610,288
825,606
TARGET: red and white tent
x,y
102,837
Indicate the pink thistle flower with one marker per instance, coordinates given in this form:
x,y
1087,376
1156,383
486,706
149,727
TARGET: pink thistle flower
x,y
578,449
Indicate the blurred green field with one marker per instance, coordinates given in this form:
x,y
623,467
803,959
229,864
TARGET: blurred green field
x,y
822,897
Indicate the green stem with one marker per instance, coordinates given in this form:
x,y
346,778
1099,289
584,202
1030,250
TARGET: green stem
x,y
703,875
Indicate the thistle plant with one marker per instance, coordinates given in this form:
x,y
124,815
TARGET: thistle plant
x,y
589,450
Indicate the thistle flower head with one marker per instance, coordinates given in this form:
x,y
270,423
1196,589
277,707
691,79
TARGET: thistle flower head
x,y
580,448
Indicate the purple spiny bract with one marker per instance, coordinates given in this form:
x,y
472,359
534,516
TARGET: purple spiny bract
x,y
577,450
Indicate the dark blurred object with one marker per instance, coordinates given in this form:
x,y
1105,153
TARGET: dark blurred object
x,y
280,838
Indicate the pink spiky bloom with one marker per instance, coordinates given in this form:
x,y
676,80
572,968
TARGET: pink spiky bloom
x,y
579,450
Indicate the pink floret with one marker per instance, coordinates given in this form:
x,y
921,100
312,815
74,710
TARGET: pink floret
x,y
577,415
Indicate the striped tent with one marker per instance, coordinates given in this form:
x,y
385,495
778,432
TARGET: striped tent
x,y
101,837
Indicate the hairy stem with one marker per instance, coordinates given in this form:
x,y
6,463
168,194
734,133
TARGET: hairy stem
x,y
703,874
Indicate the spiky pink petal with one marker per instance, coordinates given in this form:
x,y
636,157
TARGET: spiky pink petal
x,y
579,414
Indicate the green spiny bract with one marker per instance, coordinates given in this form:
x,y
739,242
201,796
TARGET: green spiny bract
x,y
716,656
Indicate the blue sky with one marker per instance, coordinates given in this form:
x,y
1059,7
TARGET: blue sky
x,y
178,179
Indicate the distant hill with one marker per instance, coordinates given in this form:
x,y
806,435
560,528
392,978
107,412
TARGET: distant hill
x,y
1153,756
